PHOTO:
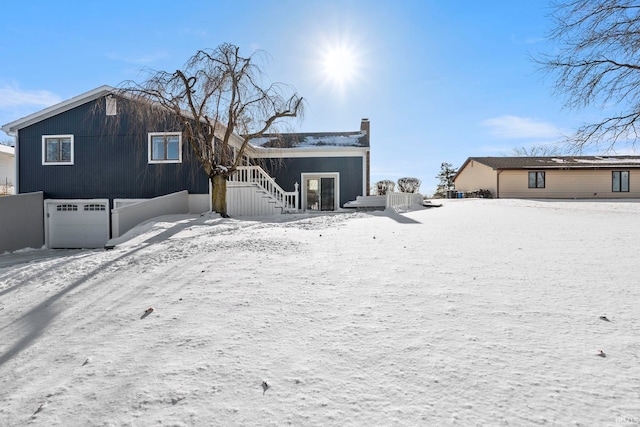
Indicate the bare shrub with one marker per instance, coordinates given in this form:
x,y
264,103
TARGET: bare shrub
x,y
409,185
385,186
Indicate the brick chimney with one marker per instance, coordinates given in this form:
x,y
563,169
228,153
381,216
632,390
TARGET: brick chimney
x,y
364,127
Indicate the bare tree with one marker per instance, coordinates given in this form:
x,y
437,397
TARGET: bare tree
x,y
597,64
538,151
218,95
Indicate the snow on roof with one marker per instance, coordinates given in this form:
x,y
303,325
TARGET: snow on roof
x,y
335,140
308,140
6,149
608,160
557,162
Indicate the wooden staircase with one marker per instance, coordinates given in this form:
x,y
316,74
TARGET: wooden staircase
x,y
252,192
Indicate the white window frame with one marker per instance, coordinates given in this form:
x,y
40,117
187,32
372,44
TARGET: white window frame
x,y
150,137
44,149
319,175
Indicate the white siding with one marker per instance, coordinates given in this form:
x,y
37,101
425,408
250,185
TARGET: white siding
x,y
248,200
7,168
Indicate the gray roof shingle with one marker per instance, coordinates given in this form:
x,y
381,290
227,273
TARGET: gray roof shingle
x,y
558,162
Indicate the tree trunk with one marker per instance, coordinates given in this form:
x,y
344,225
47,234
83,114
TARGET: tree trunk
x,y
219,194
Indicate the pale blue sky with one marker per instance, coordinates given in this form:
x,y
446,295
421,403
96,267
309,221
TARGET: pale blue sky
x,y
440,80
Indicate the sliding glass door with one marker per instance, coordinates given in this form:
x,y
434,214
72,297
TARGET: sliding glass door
x,y
320,192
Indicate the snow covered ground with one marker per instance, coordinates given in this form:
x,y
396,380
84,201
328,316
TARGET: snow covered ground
x,y
481,312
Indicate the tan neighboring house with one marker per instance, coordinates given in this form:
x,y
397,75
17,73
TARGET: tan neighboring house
x,y
561,177
7,169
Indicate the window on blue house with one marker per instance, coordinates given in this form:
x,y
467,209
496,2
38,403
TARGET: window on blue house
x,y
57,149
536,179
165,147
620,181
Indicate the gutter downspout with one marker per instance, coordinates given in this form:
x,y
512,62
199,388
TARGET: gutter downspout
x,y
498,183
16,153
16,160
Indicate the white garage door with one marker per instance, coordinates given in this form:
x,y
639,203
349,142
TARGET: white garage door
x,y
76,223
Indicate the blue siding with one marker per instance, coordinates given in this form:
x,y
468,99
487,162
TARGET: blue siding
x,y
110,159
289,170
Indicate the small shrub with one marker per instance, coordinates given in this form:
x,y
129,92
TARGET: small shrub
x,y
484,194
385,186
409,185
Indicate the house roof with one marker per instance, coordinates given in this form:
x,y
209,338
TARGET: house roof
x,y
313,140
557,162
284,140
13,127
5,149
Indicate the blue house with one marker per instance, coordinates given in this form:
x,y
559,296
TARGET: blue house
x,y
89,160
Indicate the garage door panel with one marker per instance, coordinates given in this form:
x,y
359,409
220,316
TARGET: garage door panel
x,y
77,223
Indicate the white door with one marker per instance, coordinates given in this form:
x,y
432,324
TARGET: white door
x,y
76,223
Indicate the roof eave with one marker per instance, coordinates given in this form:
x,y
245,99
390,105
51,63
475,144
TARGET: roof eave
x,y
13,127
7,149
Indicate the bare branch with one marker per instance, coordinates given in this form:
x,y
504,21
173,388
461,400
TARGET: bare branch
x,y
217,94
598,64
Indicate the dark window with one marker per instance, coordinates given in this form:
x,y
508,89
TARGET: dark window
x,y
67,207
620,181
536,179
95,207
57,149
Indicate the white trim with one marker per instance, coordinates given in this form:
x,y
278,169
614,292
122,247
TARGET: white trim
x,y
152,134
13,127
364,175
16,181
44,151
311,175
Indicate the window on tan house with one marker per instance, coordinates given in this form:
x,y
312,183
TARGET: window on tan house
x,y
620,181
536,179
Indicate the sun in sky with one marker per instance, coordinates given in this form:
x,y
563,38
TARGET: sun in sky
x,y
340,64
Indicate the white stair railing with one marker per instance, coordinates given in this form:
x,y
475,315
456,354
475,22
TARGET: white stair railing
x,y
287,200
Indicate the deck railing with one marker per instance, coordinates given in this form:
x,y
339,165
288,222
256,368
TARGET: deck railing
x,y
287,200
403,200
